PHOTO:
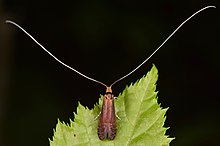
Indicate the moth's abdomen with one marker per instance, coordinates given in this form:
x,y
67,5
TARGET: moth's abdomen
x,y
107,130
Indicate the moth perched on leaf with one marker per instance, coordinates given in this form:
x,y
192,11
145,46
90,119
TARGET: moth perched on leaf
x,y
107,118
107,127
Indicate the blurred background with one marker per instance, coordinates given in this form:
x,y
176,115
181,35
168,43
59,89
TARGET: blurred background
x,y
105,40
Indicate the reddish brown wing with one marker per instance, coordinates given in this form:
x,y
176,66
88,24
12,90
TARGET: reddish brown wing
x,y
107,118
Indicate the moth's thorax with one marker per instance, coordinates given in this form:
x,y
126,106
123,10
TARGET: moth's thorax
x,y
109,96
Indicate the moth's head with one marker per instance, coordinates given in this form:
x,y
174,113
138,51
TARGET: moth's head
x,y
108,90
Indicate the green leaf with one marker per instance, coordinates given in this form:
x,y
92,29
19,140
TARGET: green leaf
x,y
141,119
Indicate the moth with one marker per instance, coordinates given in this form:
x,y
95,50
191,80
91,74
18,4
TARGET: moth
x,y
107,127
107,118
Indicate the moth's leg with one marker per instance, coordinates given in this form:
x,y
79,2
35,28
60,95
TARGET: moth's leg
x,y
117,117
97,116
116,111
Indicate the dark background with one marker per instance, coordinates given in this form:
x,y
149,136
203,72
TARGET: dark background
x,y
105,40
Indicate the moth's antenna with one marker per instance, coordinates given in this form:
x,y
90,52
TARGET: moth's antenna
x,y
162,44
11,22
